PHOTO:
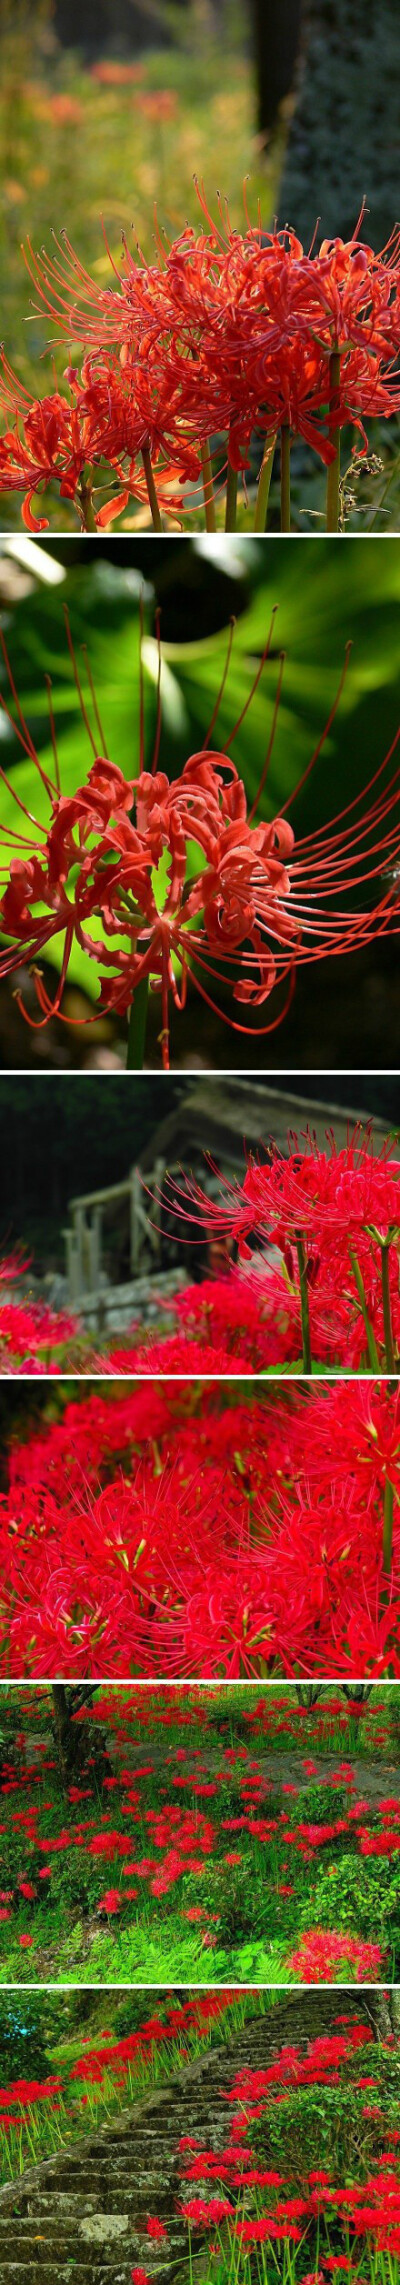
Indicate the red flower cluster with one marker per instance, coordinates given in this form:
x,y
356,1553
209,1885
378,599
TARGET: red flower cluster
x,y
112,2067
238,1541
319,2210
247,919
334,1216
32,1336
146,1831
229,333
120,2056
324,1954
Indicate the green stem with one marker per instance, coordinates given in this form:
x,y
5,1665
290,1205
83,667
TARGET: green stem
x,y
387,1312
151,490
388,1506
263,486
285,477
373,1358
333,473
231,499
304,1305
88,519
209,502
137,1027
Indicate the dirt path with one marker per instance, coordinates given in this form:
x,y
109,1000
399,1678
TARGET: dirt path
x,y
374,1780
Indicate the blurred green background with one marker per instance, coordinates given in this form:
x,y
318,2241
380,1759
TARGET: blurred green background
x,y
109,108
345,1012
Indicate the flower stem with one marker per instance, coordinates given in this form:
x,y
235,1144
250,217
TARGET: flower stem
x,y
388,1506
137,1026
209,502
151,490
231,499
264,481
387,1312
304,1305
88,519
333,474
373,1358
285,477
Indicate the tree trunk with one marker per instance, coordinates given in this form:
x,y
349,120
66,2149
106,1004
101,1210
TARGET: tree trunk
x,y
277,33
344,139
308,1693
80,1747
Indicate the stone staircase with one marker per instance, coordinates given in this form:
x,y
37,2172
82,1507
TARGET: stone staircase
x,y
80,2218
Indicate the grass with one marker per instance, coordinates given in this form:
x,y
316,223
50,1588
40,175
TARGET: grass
x,y
316,2148
83,2106
190,1864
78,152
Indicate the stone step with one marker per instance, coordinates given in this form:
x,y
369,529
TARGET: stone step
x,y
56,2223
101,2230
31,2272
69,2202
27,2269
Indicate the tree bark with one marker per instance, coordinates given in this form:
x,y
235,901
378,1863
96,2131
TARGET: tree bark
x,y
276,33
308,1693
77,1745
343,142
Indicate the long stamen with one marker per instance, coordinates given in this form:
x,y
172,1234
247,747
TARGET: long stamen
x,y
264,773
158,715
364,790
324,735
222,687
83,708
23,733
254,687
141,687
104,747
53,731
11,789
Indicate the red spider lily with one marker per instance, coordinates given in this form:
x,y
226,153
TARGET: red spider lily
x,y
206,2209
256,904
320,1191
110,1902
239,331
48,442
31,1334
320,2201
324,1954
200,1559
104,419
335,1218
27,1332
352,291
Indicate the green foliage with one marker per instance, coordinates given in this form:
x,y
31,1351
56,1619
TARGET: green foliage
x,y
320,1804
320,2127
361,1895
251,1911
53,1150
73,150
336,601
253,1963
236,1900
22,2044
